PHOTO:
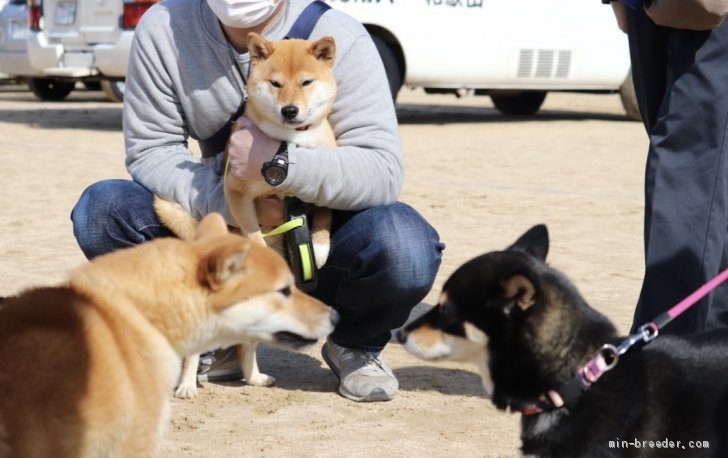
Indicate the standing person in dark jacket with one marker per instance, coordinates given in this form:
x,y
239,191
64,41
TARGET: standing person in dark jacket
x,y
681,81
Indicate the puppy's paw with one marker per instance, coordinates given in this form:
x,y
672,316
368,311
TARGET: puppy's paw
x,y
321,253
186,391
261,380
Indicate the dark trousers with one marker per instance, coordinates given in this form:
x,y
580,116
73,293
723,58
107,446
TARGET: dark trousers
x,y
681,80
383,260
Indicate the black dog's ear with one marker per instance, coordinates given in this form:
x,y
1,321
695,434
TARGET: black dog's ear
x,y
521,289
534,242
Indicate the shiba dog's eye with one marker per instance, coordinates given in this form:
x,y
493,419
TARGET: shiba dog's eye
x,y
286,291
275,83
306,83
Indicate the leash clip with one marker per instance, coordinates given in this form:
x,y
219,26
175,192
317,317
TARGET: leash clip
x,y
649,331
645,333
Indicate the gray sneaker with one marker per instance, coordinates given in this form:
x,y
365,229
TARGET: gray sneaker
x,y
219,365
363,376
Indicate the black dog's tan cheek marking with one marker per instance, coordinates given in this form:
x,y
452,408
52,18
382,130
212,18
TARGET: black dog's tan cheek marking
x,y
427,336
443,298
473,334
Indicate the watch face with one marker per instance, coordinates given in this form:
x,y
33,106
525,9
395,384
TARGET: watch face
x,y
275,175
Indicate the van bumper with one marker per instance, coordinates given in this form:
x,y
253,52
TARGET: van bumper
x,y
112,59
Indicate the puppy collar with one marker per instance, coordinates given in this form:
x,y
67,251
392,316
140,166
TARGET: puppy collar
x,y
569,391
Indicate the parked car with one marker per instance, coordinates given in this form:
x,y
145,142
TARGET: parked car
x,y
14,59
13,36
515,51
67,41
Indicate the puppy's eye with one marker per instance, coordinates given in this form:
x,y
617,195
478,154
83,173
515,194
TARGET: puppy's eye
x,y
286,291
307,83
275,83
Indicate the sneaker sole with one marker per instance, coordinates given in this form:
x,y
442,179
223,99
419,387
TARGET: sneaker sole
x,y
376,395
220,376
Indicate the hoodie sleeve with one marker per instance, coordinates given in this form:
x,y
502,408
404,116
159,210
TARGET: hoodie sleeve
x,y
366,167
156,133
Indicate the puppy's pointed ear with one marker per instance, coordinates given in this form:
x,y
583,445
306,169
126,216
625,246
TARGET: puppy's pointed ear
x,y
222,263
534,242
259,48
324,50
211,225
521,289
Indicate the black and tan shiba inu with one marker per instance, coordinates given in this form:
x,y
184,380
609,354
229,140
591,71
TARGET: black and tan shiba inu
x,y
529,331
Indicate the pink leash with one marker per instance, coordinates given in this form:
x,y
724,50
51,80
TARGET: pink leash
x,y
608,355
696,296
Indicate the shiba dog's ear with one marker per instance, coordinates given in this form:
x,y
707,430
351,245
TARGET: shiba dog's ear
x,y
324,49
521,289
534,242
259,48
222,262
212,225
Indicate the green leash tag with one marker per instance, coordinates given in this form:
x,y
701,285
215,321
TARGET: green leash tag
x,y
298,241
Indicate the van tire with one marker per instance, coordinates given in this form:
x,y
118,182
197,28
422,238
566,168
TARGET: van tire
x,y
522,104
50,89
113,90
391,67
629,99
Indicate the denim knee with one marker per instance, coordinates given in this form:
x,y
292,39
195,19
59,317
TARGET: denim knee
x,y
383,262
114,214
405,249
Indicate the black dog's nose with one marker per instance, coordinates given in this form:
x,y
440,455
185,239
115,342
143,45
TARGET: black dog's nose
x,y
289,111
401,336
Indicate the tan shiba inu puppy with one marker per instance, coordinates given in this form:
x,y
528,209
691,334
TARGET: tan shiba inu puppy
x,y
87,368
291,91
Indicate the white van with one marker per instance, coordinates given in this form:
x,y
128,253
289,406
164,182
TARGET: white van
x,y
513,50
87,40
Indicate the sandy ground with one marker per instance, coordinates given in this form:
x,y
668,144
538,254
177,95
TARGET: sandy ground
x,y
480,178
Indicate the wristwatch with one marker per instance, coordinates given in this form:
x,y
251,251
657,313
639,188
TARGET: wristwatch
x,y
275,171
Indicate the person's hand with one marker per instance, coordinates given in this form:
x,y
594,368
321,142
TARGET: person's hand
x,y
249,148
621,15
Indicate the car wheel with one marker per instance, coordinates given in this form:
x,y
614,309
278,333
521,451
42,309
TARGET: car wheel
x,y
629,99
50,89
113,90
521,104
391,67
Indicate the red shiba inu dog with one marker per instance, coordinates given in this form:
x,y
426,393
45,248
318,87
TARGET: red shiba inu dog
x,y
291,91
87,368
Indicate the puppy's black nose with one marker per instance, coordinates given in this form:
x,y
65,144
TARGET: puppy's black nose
x,y
401,336
289,111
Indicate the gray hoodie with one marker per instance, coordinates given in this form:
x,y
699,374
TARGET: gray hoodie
x,y
182,83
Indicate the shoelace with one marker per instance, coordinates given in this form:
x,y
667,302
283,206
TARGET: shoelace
x,y
371,361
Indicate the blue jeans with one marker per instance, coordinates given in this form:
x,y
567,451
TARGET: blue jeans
x,y
383,260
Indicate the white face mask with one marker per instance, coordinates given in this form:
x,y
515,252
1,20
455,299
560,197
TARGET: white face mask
x,y
243,13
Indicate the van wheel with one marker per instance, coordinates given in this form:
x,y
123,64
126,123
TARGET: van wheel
x,y
521,104
391,67
92,85
113,90
629,99
50,89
